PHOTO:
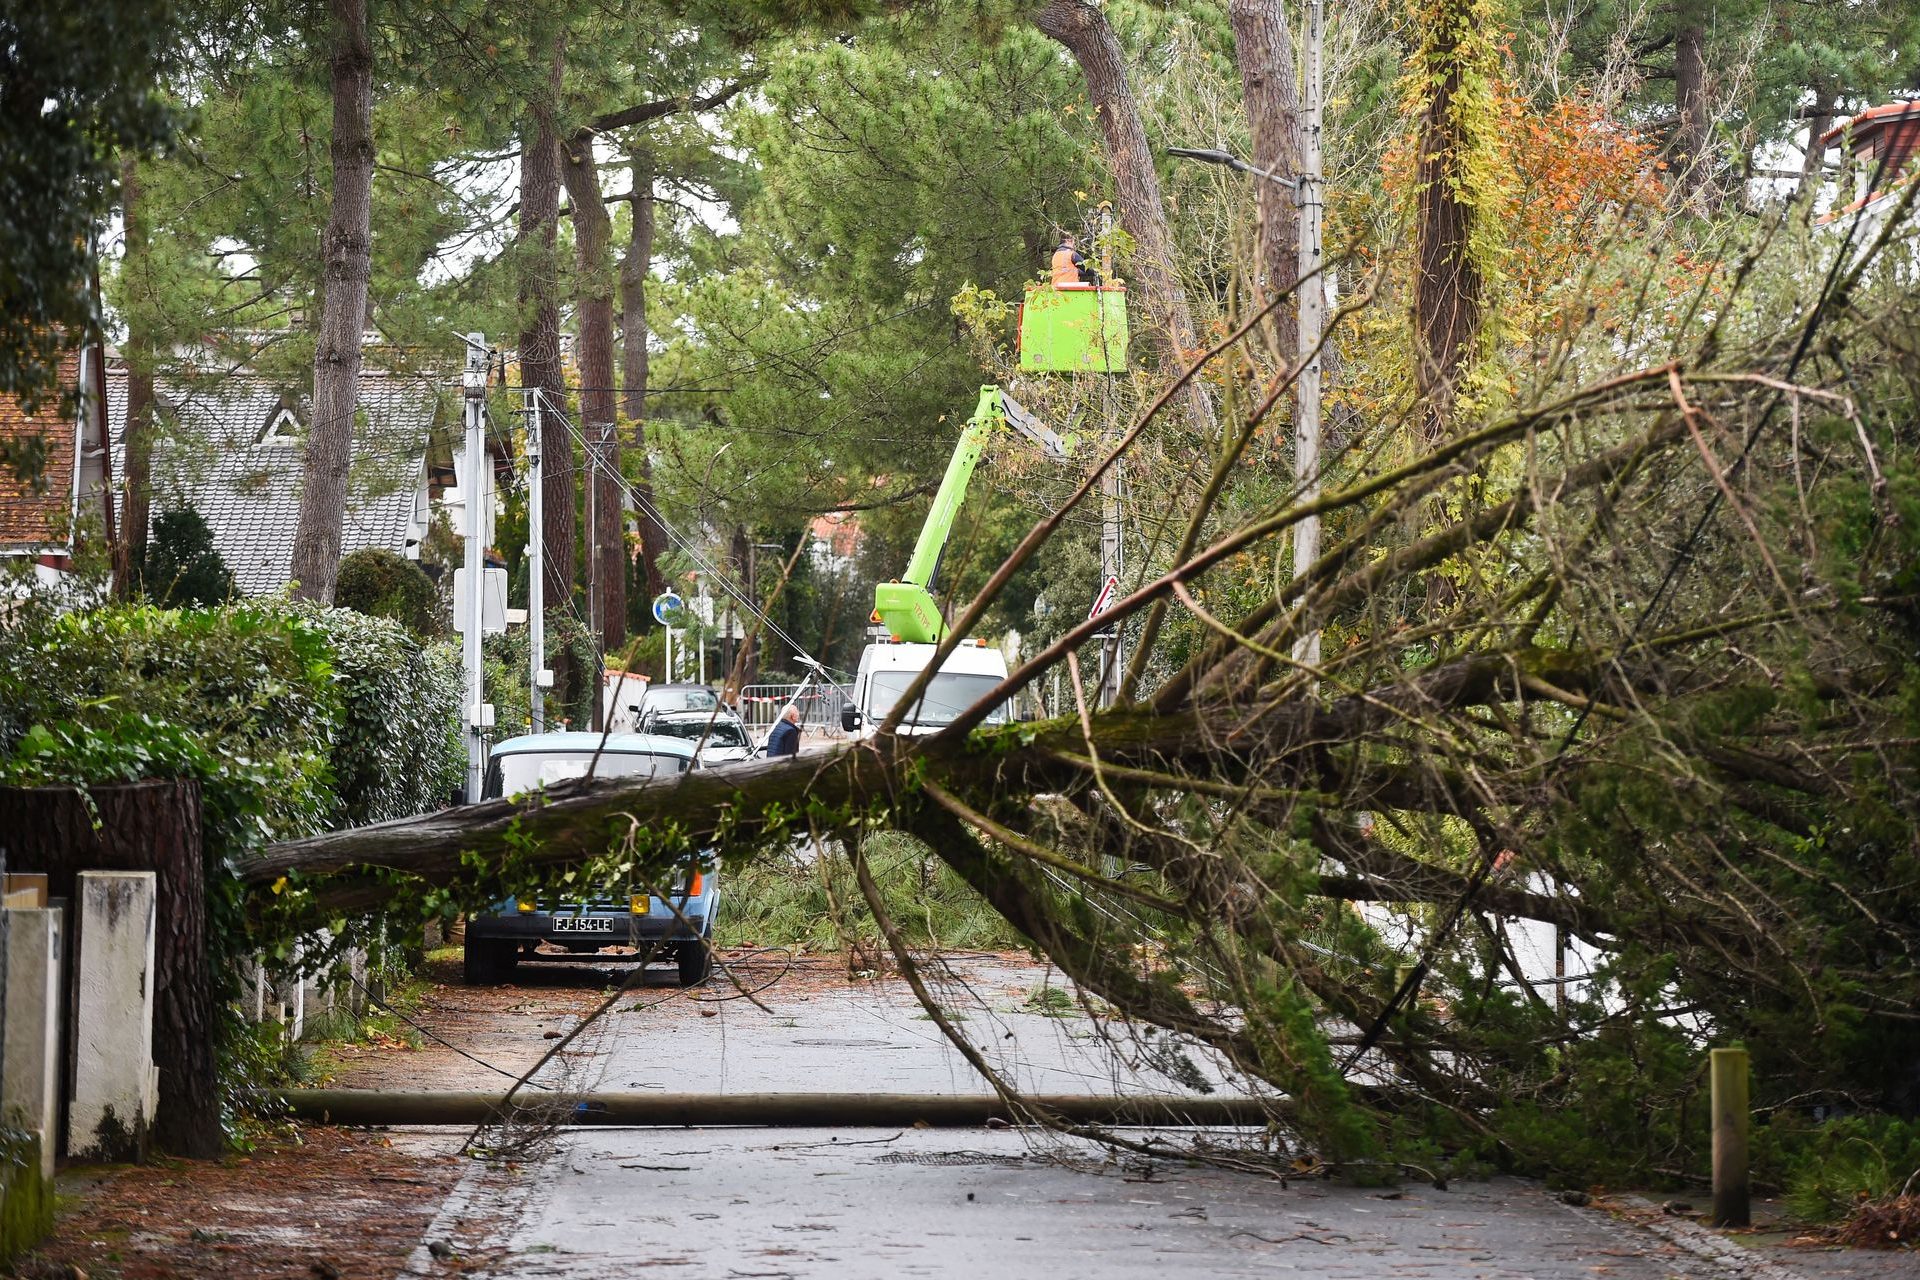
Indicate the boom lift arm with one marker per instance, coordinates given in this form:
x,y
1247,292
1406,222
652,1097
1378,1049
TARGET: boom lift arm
x,y
907,607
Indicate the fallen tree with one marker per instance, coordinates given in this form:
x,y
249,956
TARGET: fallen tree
x,y
1632,660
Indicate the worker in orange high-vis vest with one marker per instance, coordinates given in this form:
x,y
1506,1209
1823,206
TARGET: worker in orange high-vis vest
x,y
1067,262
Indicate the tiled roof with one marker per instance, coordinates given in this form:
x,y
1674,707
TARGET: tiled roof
x,y
220,456
36,516
1872,120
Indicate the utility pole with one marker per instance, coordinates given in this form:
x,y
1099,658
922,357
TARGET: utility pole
x,y
1112,564
1313,313
538,675
591,439
1112,548
474,385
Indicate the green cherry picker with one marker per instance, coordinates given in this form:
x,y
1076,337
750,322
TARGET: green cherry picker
x,y
1064,328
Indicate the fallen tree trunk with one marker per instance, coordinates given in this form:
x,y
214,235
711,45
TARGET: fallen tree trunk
x,y
772,1110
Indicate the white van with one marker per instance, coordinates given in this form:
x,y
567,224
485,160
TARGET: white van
x,y
887,667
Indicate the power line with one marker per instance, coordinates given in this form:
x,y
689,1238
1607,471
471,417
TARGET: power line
x,y
596,462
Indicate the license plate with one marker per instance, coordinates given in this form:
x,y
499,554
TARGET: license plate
x,y
582,924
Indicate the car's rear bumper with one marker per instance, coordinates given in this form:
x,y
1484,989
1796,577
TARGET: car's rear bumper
x,y
622,930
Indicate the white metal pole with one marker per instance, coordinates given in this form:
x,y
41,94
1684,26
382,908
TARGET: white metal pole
x,y
1112,565
1313,311
536,568
704,614
474,384
669,667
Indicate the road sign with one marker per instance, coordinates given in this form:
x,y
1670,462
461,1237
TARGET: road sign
x,y
1105,598
666,607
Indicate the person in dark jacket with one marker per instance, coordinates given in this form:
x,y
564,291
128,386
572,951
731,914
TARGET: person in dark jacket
x,y
785,738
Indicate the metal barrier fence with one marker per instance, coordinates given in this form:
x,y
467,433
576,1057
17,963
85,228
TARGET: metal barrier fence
x,y
761,704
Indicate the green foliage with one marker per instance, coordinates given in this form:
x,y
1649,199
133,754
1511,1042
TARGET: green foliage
x,y
244,686
77,87
396,749
183,566
385,584
507,668
1829,1168
815,902
290,722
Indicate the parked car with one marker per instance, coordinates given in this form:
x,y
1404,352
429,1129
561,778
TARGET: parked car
x,y
630,699
627,915
719,735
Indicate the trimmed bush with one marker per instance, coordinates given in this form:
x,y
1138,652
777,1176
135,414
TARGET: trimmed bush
x,y
183,566
396,748
382,584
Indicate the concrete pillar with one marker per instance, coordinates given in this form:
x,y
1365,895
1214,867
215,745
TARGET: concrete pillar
x,y
115,1085
35,997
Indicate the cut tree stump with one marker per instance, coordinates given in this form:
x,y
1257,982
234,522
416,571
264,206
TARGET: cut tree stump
x,y
143,826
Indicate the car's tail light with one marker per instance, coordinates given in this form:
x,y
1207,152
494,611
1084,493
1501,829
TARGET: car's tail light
x,y
526,906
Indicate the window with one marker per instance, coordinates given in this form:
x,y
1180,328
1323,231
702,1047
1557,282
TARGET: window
x,y
946,696
722,731
697,699
512,775
282,427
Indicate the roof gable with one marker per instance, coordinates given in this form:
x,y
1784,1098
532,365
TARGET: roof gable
x,y
237,455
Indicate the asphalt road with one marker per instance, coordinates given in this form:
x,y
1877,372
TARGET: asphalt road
x,y
998,1204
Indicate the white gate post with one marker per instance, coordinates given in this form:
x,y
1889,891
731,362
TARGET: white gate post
x,y
30,1069
114,1081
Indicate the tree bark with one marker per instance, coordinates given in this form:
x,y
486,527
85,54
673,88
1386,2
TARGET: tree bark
x,y
634,270
1265,48
593,355
1819,121
1084,32
348,255
540,364
145,826
1449,291
1692,137
130,550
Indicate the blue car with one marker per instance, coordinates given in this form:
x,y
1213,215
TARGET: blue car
x,y
678,925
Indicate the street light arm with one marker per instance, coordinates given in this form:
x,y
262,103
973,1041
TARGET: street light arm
x,y
1214,155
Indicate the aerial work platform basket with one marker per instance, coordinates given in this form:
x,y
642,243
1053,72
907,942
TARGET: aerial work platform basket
x,y
1074,328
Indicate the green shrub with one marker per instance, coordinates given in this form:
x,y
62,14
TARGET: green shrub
x,y
1830,1168
397,749
383,584
508,669
240,683
183,567
292,720
816,903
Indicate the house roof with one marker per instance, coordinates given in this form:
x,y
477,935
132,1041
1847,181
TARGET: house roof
x,y
235,452
35,516
1872,121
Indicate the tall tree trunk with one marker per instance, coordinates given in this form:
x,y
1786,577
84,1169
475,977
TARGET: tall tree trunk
x,y
1813,164
1692,139
1450,290
1265,49
593,354
146,826
1083,31
540,363
634,270
130,550
348,253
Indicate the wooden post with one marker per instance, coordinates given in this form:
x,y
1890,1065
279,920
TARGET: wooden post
x,y
1728,1070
